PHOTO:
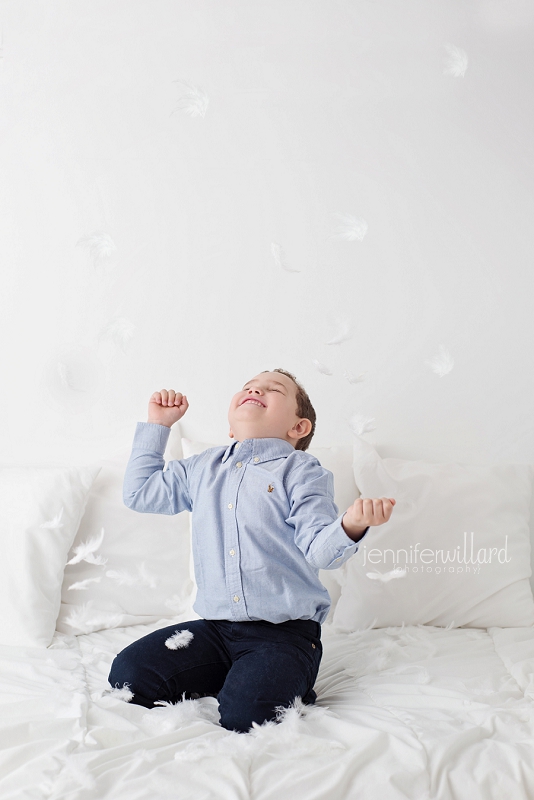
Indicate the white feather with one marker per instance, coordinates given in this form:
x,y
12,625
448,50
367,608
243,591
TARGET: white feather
x,y
321,367
360,424
172,716
177,603
86,551
441,364
343,334
100,245
87,619
351,228
351,378
125,578
179,639
279,257
54,523
194,101
457,62
120,693
84,584
387,576
119,331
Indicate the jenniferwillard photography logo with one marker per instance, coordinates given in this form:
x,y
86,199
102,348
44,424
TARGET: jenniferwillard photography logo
x,y
414,560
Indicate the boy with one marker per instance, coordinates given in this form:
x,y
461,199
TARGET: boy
x,y
264,522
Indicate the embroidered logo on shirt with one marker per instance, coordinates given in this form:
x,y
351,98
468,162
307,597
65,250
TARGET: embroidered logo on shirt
x,y
270,488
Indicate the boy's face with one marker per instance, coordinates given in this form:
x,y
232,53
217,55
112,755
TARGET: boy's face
x,y
273,412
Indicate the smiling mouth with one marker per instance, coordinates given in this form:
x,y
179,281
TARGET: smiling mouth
x,y
256,403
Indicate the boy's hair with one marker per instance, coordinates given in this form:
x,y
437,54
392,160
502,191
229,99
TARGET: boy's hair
x,y
305,410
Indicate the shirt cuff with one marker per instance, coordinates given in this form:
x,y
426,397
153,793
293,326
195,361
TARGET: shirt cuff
x,y
339,547
151,436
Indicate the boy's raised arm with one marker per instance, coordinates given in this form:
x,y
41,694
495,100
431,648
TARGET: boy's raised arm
x,y
146,487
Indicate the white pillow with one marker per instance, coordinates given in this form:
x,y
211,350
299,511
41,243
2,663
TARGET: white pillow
x,y
144,576
461,509
336,459
40,510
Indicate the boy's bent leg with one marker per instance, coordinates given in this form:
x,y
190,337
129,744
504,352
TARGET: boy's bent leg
x,y
259,681
195,663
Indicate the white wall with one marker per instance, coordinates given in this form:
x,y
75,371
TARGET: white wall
x,y
411,120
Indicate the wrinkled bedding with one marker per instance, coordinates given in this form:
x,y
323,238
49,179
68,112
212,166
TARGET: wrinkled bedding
x,y
409,712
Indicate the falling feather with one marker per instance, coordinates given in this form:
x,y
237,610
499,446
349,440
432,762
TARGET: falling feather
x,y
457,62
125,578
351,378
441,364
119,331
99,245
351,228
86,551
86,618
194,102
54,523
84,584
387,576
279,257
360,424
321,367
179,639
343,334
177,603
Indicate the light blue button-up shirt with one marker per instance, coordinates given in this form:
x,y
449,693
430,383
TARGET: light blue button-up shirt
x,y
264,522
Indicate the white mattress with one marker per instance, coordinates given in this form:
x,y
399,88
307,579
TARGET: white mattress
x,y
414,712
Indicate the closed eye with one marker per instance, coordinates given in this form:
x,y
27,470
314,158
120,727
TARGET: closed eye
x,y
271,390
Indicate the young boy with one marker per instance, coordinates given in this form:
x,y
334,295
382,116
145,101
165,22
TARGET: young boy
x,y
264,522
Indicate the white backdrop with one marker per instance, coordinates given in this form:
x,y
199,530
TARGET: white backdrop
x,y
193,192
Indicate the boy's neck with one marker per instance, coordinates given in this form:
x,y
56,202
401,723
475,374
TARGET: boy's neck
x,y
239,441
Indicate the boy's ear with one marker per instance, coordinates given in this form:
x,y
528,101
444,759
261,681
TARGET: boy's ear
x,y
231,435
301,429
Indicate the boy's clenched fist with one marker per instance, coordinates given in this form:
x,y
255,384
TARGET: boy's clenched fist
x,y
365,512
167,407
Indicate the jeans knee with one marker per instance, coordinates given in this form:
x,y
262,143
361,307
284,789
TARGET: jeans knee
x,y
120,673
241,719
125,671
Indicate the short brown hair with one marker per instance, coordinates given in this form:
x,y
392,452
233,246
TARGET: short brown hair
x,y
305,410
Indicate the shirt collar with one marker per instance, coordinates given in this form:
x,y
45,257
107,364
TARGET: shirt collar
x,y
263,449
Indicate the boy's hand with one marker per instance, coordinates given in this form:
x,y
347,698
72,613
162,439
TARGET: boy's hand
x,y
364,512
167,407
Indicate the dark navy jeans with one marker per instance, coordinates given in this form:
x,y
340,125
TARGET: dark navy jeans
x,y
250,667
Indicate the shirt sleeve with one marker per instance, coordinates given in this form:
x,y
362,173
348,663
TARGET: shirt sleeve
x,y
316,518
146,487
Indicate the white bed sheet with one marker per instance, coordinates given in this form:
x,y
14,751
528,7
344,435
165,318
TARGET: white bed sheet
x,y
414,712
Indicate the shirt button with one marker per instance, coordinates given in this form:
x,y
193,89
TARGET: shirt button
x,y
239,464
313,646
256,458
232,552
230,505
236,599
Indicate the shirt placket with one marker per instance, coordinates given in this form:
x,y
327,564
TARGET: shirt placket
x,y
234,585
